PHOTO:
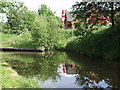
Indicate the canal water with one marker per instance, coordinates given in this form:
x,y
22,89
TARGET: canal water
x,y
65,69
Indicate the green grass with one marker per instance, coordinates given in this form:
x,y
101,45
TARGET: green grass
x,y
6,40
10,78
16,41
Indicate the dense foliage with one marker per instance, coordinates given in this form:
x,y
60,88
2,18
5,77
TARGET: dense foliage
x,y
18,17
103,42
44,10
94,10
46,30
91,15
44,26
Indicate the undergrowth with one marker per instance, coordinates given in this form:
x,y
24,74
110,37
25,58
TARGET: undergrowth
x,y
101,43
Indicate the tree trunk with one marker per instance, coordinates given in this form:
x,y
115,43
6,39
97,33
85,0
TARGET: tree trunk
x,y
112,14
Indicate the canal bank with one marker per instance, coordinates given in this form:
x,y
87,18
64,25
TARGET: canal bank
x,y
102,43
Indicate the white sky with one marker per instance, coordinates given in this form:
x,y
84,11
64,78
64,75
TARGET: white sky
x,y
54,5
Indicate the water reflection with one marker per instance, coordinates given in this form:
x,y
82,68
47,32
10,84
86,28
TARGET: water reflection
x,y
72,79
65,70
70,68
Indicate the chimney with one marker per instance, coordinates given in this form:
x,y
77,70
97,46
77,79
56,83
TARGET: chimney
x,y
63,16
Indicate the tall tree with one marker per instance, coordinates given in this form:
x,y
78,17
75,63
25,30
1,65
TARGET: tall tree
x,y
44,10
106,8
19,19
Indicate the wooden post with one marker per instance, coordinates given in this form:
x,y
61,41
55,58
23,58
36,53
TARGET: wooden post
x,y
73,25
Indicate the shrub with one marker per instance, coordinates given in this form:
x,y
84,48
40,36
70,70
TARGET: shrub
x,y
103,43
45,32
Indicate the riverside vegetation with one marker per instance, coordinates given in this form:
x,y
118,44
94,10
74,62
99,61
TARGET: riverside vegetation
x,y
43,30
25,29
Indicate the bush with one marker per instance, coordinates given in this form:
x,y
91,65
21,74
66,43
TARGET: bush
x,y
103,43
46,32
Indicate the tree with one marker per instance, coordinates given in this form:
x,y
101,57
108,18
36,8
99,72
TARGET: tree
x,y
45,32
15,15
46,27
80,9
19,19
44,10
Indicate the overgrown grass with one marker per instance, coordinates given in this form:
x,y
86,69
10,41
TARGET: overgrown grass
x,y
10,78
16,41
104,42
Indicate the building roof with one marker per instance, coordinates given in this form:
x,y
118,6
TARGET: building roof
x,y
69,16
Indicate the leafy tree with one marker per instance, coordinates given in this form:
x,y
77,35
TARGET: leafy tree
x,y
80,9
29,17
44,10
4,6
45,32
46,29
19,19
16,20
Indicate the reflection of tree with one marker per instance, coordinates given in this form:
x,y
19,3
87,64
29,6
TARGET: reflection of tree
x,y
86,79
83,81
44,66
97,70
86,82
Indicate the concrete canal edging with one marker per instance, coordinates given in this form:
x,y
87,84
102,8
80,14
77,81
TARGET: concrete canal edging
x,y
21,50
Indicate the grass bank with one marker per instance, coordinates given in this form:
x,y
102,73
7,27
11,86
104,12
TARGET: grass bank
x,y
104,42
16,41
25,40
10,78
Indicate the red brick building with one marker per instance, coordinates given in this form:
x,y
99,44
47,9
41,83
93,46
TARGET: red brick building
x,y
68,20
